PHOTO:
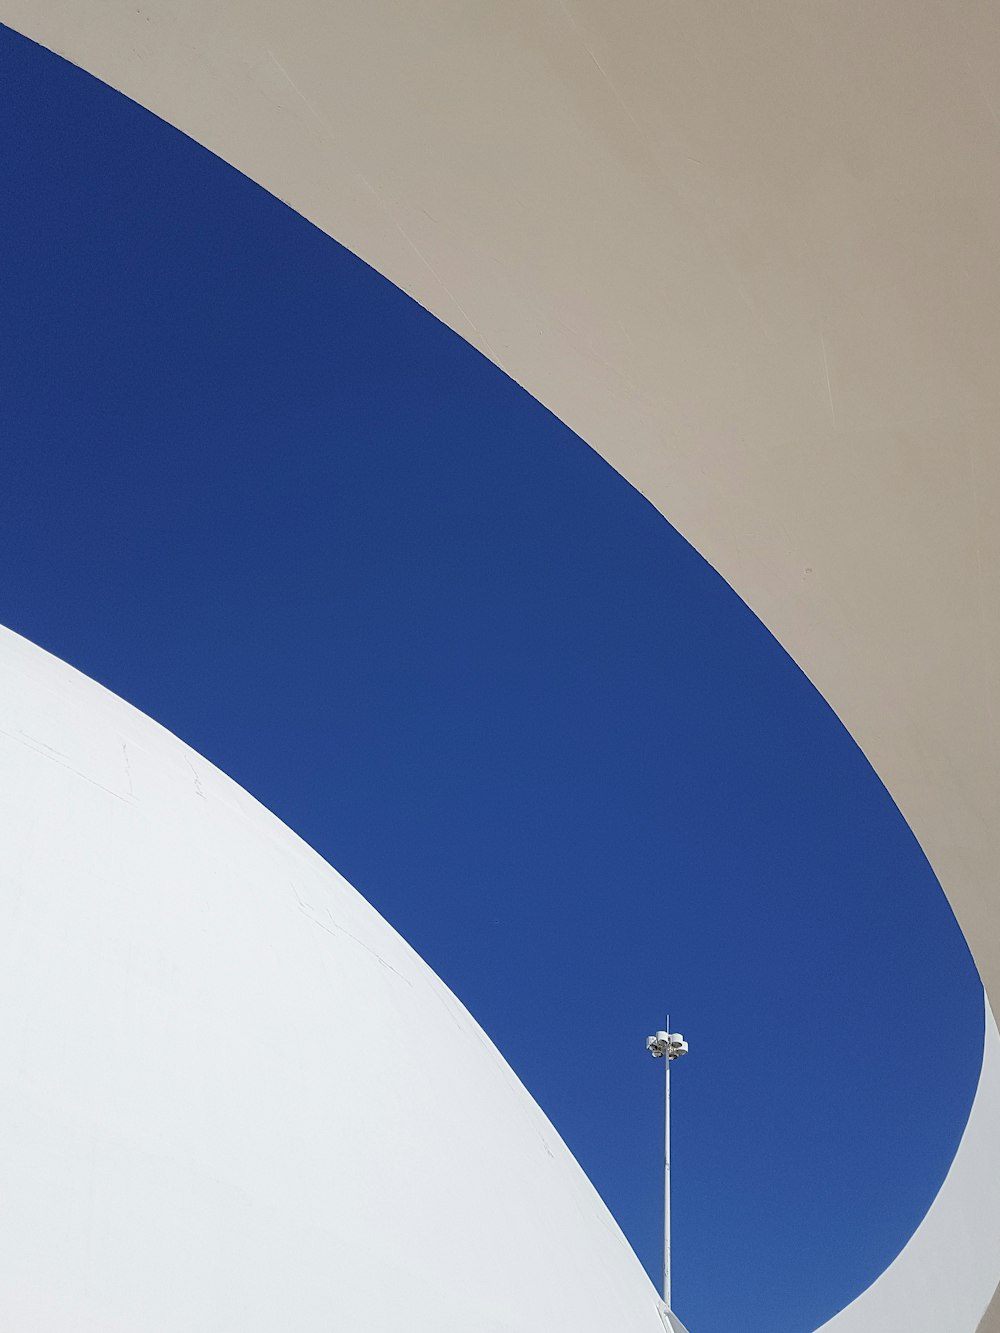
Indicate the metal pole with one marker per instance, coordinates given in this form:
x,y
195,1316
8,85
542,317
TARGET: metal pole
x,y
666,1046
666,1178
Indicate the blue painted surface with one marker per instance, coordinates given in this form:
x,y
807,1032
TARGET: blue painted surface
x,y
255,490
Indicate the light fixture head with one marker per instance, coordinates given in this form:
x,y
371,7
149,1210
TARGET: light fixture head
x,y
677,1046
669,1044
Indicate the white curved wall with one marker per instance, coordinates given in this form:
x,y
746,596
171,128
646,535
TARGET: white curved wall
x,y
944,1278
232,1098
748,253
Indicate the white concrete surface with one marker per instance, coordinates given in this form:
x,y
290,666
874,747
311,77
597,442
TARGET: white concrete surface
x,y
232,1099
747,252
944,1278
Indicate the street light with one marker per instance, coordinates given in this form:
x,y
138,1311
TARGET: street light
x,y
666,1046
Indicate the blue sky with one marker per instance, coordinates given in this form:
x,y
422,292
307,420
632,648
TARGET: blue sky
x,y
257,491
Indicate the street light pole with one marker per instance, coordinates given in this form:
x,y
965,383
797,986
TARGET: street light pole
x,y
666,1176
672,1046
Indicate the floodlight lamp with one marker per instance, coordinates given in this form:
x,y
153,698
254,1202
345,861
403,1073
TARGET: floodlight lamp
x,y
676,1045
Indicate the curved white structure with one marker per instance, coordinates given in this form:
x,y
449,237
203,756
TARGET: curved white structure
x,y
749,255
233,1099
945,1276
